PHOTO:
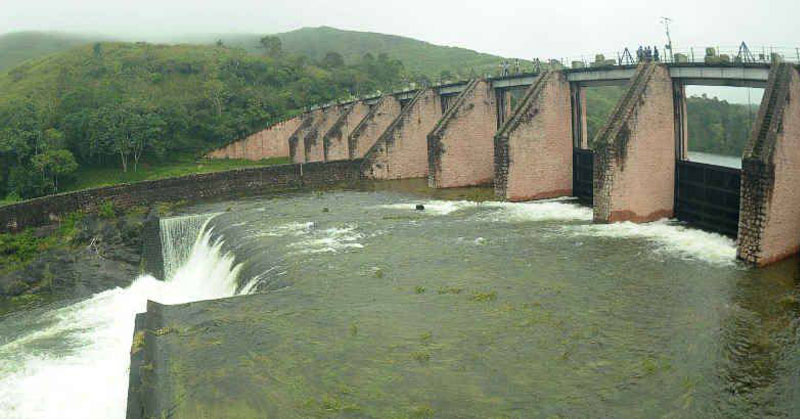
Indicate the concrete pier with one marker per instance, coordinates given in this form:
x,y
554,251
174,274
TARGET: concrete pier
x,y
334,142
533,149
401,150
634,153
461,145
366,133
769,221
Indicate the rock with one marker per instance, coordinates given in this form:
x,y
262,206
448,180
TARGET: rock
x,y
420,207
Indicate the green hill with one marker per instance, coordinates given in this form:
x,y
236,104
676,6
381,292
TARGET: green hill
x,y
17,47
419,57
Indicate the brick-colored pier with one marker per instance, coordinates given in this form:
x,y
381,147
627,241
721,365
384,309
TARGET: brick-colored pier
x,y
461,145
634,153
533,149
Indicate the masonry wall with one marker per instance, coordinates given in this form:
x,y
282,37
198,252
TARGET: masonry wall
x,y
217,185
297,146
461,147
335,144
535,145
370,128
769,221
401,151
634,168
314,146
269,143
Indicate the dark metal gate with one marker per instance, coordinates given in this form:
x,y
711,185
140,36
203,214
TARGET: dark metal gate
x,y
582,169
707,196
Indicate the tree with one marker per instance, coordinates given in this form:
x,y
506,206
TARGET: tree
x,y
333,60
272,45
53,164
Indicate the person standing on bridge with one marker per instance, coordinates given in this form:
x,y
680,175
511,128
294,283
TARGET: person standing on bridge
x,y
640,54
655,53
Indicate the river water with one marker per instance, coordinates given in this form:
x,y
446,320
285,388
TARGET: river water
x,y
513,309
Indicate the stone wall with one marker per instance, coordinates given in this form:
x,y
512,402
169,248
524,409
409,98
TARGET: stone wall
x,y
401,151
634,153
461,146
769,221
217,185
534,147
313,144
335,144
297,146
269,143
370,128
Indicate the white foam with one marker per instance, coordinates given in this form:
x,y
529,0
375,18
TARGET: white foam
x,y
436,207
89,379
543,210
669,237
334,240
538,211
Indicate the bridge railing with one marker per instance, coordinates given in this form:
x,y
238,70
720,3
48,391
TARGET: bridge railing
x,y
718,55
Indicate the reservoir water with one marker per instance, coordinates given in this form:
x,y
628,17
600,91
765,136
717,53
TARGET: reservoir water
x,y
463,309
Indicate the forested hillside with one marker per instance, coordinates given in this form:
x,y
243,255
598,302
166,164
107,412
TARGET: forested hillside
x,y
421,58
17,47
115,104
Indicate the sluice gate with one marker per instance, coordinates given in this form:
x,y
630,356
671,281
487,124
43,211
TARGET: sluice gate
x,y
582,169
707,196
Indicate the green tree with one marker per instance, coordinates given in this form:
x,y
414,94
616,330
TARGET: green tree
x,y
271,45
333,60
53,164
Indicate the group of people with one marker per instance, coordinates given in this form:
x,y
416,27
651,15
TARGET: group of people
x,y
647,54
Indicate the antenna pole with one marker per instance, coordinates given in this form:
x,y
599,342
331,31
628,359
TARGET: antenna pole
x,y
665,20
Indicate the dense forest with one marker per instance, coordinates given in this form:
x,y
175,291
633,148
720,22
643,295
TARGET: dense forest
x,y
117,103
717,126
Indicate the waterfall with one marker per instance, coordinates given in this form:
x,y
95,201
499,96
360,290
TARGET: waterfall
x,y
76,363
178,236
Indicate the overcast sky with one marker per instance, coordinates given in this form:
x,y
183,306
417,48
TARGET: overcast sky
x,y
515,28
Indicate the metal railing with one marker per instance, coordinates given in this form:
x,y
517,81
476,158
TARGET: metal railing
x,y
717,55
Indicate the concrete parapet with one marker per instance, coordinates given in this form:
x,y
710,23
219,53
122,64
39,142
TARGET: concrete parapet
x,y
334,142
313,144
296,140
461,145
634,153
367,132
268,143
769,215
533,149
401,150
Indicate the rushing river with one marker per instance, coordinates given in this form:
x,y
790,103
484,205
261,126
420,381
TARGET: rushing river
x,y
538,311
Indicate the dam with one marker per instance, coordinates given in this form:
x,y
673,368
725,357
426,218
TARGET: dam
x,y
354,303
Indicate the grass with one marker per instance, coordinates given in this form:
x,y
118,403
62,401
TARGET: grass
x,y
88,177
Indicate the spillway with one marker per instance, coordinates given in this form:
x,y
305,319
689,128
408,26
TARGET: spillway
x,y
356,304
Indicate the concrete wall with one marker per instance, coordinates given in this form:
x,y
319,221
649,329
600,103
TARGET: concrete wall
x,y
534,147
769,221
297,146
335,144
461,146
217,185
634,167
368,131
267,143
313,144
401,151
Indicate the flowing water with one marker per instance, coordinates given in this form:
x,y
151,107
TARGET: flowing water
x,y
512,309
